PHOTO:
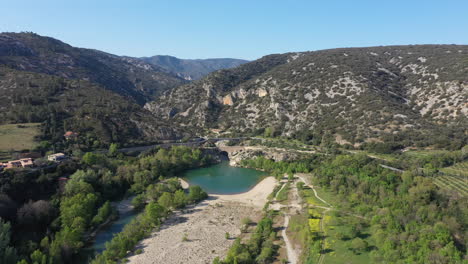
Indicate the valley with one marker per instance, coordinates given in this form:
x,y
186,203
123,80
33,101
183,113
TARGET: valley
x,y
347,155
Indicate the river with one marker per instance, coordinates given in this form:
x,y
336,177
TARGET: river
x,y
216,179
224,179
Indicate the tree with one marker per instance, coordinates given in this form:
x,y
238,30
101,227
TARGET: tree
x,y
139,202
103,213
196,194
113,149
7,207
66,242
359,245
74,187
179,199
155,212
91,158
265,255
35,213
81,205
166,200
7,253
37,257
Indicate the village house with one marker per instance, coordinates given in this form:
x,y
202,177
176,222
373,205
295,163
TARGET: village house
x,y
27,163
70,135
56,157
21,163
13,164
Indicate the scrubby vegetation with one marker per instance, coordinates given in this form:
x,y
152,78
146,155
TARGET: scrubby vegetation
x,y
94,93
400,95
59,218
258,249
410,219
278,169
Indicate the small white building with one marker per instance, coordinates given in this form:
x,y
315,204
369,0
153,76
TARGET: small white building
x,y
57,157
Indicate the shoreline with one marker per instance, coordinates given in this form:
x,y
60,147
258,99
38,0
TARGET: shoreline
x,y
204,227
255,196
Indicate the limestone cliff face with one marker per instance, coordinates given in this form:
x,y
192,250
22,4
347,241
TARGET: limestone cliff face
x,y
227,100
361,94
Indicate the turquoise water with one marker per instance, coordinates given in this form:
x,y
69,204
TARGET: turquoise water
x,y
224,179
216,179
106,234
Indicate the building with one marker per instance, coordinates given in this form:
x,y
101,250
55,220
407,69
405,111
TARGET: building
x,y
57,157
27,163
21,163
70,135
13,164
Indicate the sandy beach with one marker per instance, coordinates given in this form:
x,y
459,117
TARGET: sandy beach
x,y
205,226
256,197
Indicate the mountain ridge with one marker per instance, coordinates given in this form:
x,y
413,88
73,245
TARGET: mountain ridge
x,y
97,94
192,69
128,77
355,94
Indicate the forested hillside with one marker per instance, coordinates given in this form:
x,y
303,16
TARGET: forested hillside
x,y
125,76
95,94
409,94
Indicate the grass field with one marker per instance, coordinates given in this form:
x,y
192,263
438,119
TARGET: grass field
x,y
283,193
17,137
339,249
336,248
309,196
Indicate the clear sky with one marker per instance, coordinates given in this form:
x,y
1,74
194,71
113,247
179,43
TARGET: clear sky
x,y
237,28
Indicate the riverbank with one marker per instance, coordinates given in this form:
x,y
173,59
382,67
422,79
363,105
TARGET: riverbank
x,y
256,197
205,226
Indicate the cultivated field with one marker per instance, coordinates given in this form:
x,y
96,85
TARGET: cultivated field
x,y
454,178
17,137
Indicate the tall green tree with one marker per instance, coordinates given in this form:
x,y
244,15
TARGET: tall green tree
x,y
7,252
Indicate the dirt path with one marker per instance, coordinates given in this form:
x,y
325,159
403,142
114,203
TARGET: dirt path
x,y
322,223
292,256
315,192
322,229
294,203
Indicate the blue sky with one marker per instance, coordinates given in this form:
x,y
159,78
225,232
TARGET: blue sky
x,y
237,29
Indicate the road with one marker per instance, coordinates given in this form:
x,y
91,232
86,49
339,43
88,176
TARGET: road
x,y
189,143
391,168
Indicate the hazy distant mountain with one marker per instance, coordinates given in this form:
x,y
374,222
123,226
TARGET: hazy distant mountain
x,y
192,69
400,93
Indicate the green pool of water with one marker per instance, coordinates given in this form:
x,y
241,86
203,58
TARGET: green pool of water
x,y
224,179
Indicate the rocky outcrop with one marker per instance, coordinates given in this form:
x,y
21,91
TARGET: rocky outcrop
x,y
227,100
359,93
